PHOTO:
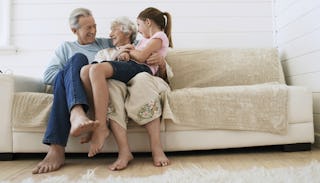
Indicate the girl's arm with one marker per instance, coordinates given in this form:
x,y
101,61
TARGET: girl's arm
x,y
142,55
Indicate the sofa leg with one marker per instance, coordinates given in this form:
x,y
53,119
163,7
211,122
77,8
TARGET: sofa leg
x,y
6,156
296,147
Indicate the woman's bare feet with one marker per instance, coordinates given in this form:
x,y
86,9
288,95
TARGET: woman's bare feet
x,y
122,161
53,160
80,125
159,158
98,138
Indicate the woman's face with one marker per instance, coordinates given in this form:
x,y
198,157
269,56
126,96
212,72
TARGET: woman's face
x,y
118,37
87,32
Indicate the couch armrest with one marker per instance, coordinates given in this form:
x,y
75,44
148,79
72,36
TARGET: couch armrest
x,y
9,84
6,101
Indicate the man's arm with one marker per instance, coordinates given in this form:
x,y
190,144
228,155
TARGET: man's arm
x,y
57,63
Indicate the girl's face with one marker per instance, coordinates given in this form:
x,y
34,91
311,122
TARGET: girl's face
x,y
118,37
143,28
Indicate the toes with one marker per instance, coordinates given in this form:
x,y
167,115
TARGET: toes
x,y
161,163
36,170
164,163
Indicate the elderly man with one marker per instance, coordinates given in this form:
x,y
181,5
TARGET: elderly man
x,y
68,114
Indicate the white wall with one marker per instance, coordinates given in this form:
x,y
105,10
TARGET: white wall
x,y
298,39
38,26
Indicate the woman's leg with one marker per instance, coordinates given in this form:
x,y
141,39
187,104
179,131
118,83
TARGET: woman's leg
x,y
159,158
98,74
143,105
125,155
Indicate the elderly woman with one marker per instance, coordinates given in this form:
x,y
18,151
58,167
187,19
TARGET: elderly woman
x,y
68,112
123,32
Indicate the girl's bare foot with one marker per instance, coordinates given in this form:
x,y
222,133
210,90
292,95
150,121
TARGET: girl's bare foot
x,y
122,161
53,160
81,125
86,138
99,136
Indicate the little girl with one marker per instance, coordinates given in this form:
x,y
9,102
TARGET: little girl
x,y
155,27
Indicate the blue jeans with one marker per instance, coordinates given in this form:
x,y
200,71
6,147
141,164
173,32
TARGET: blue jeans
x,y
68,91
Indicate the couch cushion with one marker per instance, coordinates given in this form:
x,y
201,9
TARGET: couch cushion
x,y
224,67
261,107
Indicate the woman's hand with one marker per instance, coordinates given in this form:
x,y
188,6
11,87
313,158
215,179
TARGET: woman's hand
x,y
127,47
124,56
156,59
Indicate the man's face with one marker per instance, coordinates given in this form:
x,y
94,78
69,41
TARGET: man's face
x,y
118,37
87,32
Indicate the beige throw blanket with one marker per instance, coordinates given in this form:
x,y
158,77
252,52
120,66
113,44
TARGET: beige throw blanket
x,y
260,107
31,109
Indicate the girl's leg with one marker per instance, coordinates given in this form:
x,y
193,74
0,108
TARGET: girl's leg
x,y
159,157
84,74
98,74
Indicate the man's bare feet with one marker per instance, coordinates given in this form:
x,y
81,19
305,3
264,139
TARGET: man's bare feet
x,y
81,125
159,158
122,161
53,160
98,138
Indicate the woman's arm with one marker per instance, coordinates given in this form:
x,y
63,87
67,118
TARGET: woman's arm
x,y
142,55
157,59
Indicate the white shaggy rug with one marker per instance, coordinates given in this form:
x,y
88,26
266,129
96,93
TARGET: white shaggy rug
x,y
305,174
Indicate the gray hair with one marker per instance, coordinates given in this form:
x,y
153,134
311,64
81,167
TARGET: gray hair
x,y
127,27
76,14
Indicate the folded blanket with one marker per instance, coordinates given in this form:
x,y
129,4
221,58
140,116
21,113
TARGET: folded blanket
x,y
31,109
260,107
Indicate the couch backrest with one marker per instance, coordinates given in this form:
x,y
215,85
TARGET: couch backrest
x,y
224,67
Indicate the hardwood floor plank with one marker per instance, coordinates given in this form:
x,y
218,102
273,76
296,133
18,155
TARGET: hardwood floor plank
x,y
229,159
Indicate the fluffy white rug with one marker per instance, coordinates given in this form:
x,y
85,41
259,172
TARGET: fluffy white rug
x,y
306,174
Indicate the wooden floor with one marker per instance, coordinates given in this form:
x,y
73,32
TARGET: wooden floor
x,y
231,159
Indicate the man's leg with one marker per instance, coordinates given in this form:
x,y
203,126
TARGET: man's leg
x,y
124,154
57,131
159,158
58,128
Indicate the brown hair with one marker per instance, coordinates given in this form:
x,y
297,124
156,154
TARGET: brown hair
x,y
159,18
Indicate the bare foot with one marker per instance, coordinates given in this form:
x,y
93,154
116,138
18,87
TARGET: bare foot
x,y
86,138
99,135
81,125
159,158
53,160
122,161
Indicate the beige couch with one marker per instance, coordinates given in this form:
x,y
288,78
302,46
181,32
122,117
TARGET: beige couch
x,y
220,98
